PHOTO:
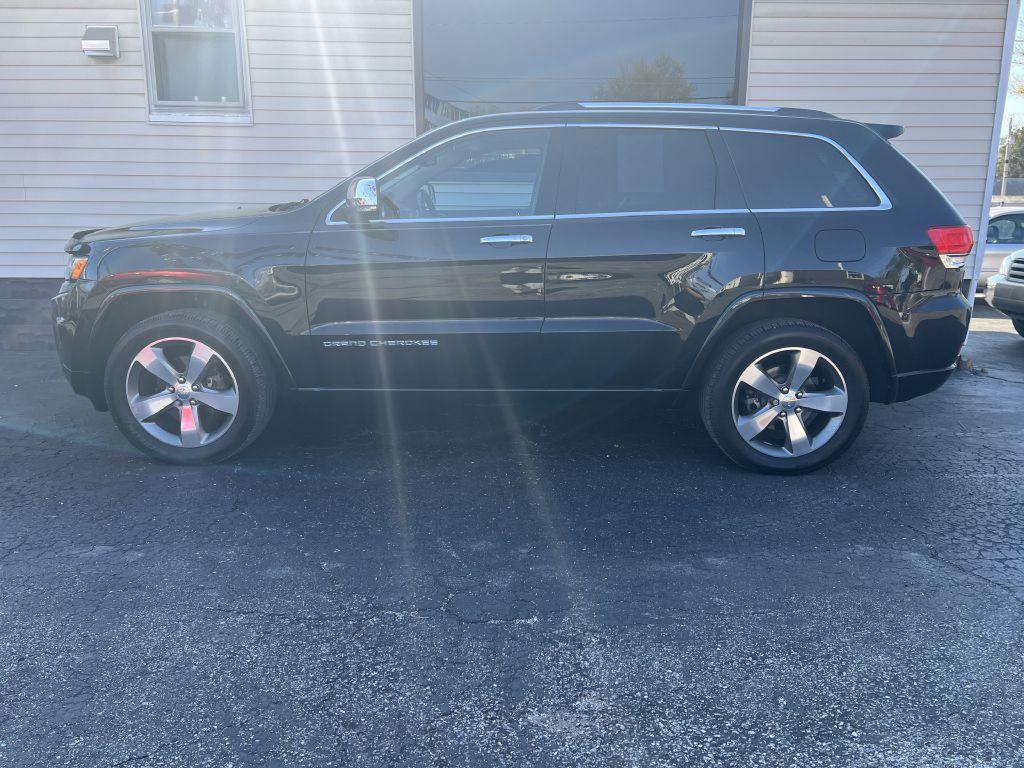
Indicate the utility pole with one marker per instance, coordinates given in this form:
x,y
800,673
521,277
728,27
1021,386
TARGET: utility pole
x,y
1006,157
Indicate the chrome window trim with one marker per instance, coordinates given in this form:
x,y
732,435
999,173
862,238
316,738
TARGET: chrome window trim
x,y
487,129
631,214
884,204
548,217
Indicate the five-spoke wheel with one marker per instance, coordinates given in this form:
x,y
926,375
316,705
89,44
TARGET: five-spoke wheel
x,y
784,396
181,392
789,401
190,386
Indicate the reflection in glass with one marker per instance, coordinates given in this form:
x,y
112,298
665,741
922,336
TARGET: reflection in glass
x,y
504,55
195,53
213,14
643,169
195,68
484,174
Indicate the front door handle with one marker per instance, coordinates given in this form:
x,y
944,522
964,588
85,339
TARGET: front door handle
x,y
719,232
500,241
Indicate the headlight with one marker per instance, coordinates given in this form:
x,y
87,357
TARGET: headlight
x,y
75,268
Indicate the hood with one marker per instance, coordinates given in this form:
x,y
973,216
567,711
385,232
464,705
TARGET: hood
x,y
210,221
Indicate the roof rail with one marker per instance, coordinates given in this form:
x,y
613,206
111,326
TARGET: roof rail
x,y
680,106
653,105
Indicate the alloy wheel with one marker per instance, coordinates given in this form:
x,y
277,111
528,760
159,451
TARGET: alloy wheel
x,y
182,392
789,402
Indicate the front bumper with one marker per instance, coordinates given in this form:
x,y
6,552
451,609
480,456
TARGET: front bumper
x,y
1006,296
65,309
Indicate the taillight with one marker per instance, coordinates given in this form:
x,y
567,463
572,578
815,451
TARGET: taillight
x,y
952,244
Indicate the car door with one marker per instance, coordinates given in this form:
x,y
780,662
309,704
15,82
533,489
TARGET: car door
x,y
651,236
445,288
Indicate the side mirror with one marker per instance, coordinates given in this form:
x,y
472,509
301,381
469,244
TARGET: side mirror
x,y
361,196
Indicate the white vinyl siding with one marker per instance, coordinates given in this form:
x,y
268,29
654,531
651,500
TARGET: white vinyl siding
x,y
332,89
932,66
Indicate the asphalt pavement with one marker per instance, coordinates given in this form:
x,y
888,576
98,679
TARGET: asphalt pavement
x,y
452,581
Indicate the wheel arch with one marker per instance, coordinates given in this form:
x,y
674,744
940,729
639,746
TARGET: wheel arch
x,y
862,328
124,307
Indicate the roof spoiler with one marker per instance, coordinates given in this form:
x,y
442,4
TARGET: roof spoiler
x,y
886,130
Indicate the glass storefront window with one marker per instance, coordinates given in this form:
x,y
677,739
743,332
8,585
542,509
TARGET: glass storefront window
x,y
506,55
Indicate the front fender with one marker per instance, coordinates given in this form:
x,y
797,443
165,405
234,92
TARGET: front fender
x,y
110,301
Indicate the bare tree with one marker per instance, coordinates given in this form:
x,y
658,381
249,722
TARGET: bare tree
x,y
662,79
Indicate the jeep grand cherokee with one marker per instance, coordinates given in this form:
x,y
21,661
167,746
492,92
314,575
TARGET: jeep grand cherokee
x,y
785,266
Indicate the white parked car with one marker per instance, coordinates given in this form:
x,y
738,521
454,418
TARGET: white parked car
x,y
1005,235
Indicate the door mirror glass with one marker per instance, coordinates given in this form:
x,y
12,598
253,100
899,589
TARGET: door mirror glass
x,y
361,197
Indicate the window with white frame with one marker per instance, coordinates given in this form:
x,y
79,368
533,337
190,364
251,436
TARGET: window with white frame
x,y
195,59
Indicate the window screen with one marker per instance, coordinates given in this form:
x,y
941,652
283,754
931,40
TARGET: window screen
x,y
624,170
779,171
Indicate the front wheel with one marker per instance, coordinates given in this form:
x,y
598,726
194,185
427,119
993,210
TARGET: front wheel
x,y
785,396
187,387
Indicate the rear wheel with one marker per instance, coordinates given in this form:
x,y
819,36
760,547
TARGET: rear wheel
x,y
188,388
785,396
1018,326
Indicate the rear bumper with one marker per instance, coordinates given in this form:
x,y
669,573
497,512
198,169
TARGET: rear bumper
x,y
927,332
1006,296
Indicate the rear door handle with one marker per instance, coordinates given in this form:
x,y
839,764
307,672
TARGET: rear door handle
x,y
719,232
500,241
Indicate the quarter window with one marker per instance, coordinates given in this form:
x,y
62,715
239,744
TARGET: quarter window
x,y
781,171
497,173
195,58
623,170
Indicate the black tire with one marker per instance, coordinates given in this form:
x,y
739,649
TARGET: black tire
x,y
745,347
1018,325
245,356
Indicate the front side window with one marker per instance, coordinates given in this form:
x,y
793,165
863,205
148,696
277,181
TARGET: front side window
x,y
497,173
195,58
780,171
623,170
1006,229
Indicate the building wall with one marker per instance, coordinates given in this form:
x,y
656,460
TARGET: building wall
x,y
930,65
332,88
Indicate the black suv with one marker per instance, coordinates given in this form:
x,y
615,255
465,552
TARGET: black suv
x,y
784,265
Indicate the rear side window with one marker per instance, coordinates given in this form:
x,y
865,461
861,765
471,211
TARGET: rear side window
x,y
626,170
780,171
